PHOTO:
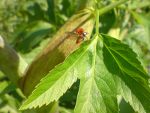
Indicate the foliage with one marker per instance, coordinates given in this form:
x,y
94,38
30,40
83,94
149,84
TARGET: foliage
x,y
105,74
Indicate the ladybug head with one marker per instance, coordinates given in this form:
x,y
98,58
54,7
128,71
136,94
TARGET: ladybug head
x,y
85,33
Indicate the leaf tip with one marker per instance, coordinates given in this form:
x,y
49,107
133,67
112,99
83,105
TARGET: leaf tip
x,y
22,107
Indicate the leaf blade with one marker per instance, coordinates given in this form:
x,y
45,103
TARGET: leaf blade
x,y
130,72
105,68
97,93
46,85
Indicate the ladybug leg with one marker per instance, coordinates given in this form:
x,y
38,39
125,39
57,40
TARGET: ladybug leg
x,y
83,38
80,39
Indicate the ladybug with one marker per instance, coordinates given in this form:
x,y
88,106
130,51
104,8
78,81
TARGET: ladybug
x,y
81,35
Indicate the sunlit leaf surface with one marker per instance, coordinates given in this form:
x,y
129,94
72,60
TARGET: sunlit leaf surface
x,y
106,68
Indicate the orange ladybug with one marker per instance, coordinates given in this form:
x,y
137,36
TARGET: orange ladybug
x,y
81,35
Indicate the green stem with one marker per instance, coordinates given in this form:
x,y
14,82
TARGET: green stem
x,y
111,6
97,21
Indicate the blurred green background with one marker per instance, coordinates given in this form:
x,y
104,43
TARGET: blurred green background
x,y
28,25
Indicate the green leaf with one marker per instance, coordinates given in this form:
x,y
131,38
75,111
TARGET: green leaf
x,y
56,83
51,88
142,32
141,19
33,34
97,93
130,97
80,63
132,79
138,39
3,86
106,68
6,87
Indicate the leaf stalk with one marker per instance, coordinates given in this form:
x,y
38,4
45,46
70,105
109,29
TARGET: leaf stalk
x,y
111,6
97,22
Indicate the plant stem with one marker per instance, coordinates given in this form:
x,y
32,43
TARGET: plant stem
x,y
111,6
97,21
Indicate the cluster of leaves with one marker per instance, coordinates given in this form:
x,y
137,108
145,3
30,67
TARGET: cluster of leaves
x,y
104,66
109,68
28,25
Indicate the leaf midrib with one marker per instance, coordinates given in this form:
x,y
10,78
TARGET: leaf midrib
x,y
93,68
